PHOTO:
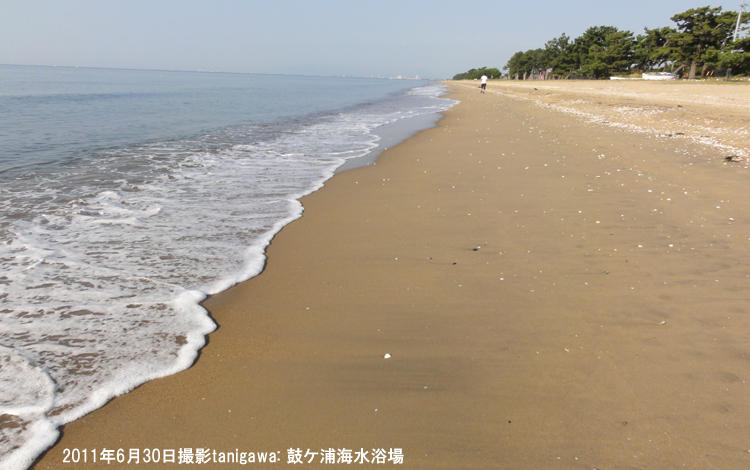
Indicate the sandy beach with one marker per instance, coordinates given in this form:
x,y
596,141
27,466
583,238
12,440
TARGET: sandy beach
x,y
558,276
709,113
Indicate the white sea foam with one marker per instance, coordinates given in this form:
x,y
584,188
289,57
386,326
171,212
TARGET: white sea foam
x,y
105,262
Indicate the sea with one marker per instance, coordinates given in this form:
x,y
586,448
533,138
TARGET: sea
x,y
129,196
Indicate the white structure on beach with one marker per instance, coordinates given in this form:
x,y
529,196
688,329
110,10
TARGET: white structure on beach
x,y
660,76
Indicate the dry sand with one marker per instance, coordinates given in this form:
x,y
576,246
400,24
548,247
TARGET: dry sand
x,y
554,294
711,113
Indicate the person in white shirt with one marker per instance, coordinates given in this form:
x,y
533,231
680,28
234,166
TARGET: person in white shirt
x,y
484,83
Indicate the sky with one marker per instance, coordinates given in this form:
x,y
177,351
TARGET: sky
x,y
428,38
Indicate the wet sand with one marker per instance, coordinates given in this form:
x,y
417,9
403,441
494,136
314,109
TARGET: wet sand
x,y
552,292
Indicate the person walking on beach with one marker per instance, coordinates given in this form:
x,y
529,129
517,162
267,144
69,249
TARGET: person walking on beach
x,y
484,83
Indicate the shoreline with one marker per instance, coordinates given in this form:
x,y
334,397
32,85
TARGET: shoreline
x,y
389,134
84,373
521,332
392,134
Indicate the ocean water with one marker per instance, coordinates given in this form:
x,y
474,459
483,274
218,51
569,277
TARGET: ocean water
x,y
128,196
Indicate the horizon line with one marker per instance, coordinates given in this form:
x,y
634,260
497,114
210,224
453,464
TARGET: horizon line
x,y
400,77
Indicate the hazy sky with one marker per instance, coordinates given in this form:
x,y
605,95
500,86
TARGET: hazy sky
x,y
433,39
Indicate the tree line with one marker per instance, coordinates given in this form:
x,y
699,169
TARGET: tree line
x,y
702,39
477,73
